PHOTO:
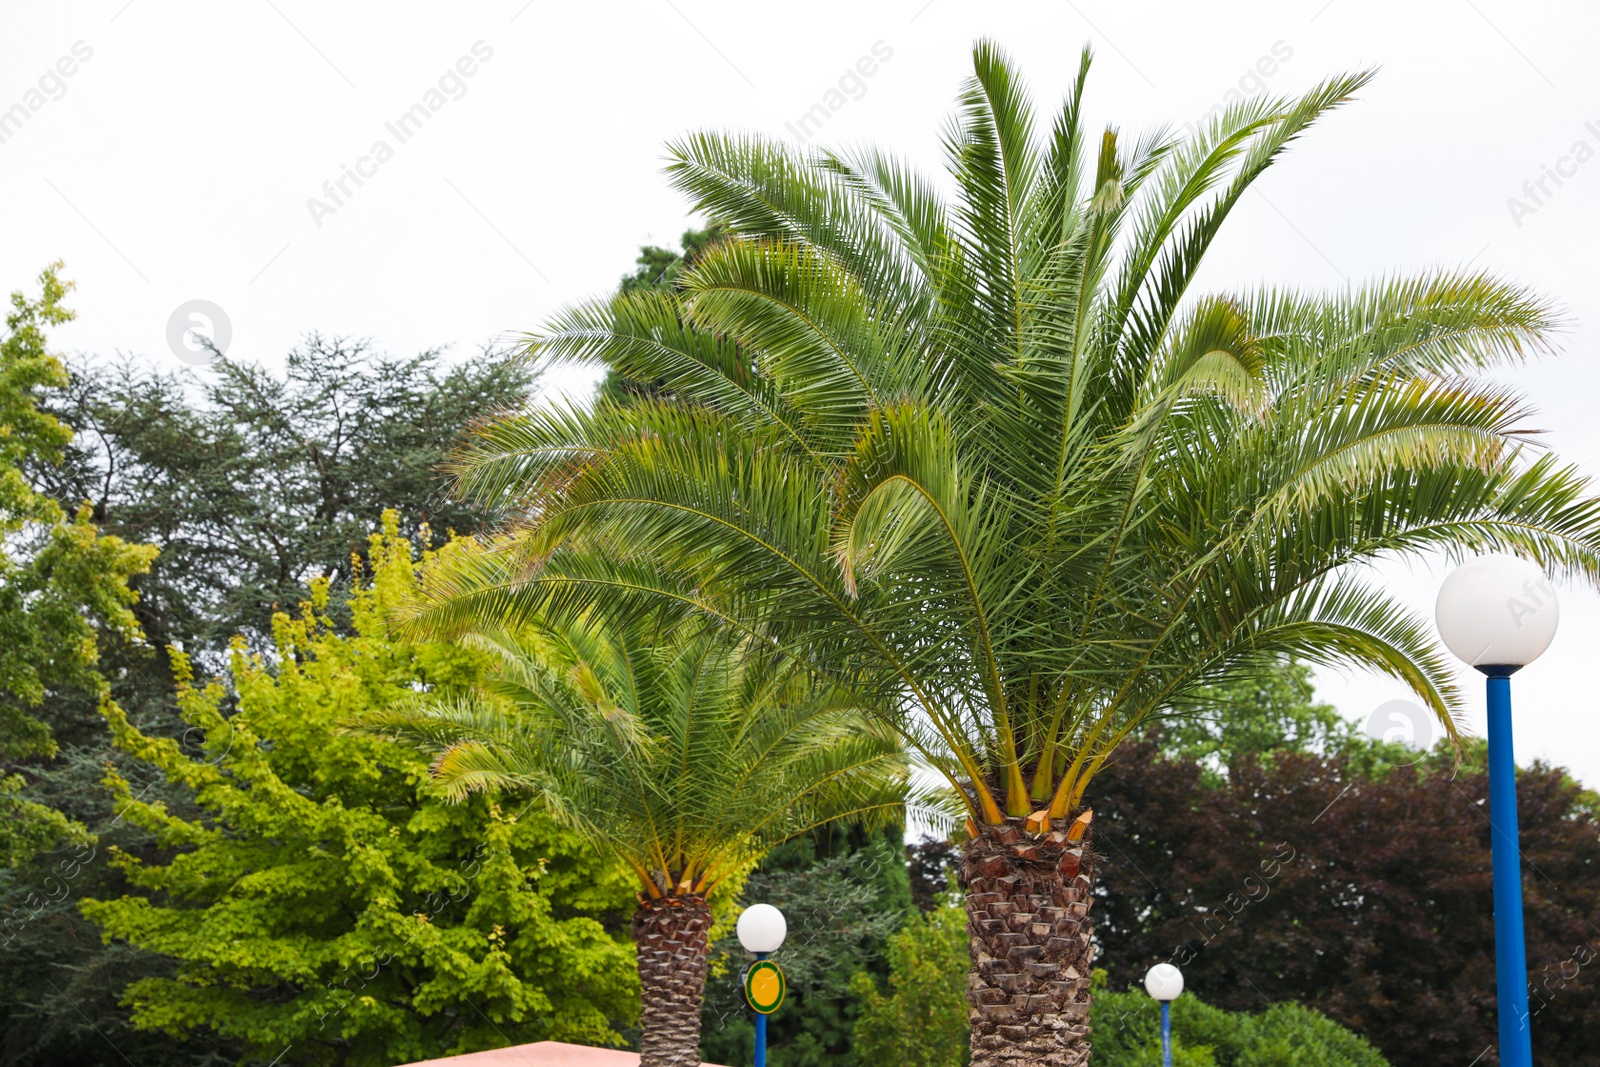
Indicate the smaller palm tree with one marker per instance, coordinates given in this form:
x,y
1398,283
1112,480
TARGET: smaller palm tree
x,y
683,755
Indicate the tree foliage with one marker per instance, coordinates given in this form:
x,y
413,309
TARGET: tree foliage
x,y
254,483
1275,711
62,581
1128,1034
920,1020
241,478
328,900
660,268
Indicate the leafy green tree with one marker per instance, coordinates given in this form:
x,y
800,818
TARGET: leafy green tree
x,y
329,906
921,1020
254,483
681,754
1273,712
61,579
1001,463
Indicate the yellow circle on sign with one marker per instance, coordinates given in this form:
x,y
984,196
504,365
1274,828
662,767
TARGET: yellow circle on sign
x,y
764,986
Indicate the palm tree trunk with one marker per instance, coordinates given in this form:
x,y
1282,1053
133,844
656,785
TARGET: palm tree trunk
x,y
1028,928
671,935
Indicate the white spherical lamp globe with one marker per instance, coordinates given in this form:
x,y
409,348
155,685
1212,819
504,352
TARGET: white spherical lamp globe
x,y
1163,981
761,928
1497,612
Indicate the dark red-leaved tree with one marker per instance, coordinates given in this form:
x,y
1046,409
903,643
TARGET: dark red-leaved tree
x,y
1364,894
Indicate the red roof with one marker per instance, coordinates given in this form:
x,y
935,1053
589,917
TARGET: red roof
x,y
541,1054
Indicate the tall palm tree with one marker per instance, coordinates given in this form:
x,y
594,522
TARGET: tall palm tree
x,y
995,453
687,759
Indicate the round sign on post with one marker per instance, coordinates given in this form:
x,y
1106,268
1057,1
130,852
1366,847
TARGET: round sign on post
x,y
764,986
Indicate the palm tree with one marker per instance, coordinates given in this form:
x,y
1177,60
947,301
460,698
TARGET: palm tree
x,y
994,453
685,757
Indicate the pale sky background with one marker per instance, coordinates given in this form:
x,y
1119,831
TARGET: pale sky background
x,y
175,164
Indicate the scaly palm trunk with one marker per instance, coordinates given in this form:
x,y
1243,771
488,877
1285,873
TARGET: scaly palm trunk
x,y
671,935
1028,929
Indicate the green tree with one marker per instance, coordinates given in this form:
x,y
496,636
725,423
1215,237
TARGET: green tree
x,y
683,755
921,1021
254,483
329,901
660,268
1004,465
61,579
1274,712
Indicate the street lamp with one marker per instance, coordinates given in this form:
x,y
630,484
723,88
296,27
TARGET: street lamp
x,y
1498,614
1164,982
761,930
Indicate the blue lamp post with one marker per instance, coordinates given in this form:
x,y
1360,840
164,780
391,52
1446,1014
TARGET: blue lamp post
x,y
761,929
1164,982
1498,614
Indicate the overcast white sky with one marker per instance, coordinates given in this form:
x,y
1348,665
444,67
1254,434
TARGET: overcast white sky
x,y
176,161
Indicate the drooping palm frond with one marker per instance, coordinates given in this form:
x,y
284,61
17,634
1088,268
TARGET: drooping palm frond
x,y
992,456
682,752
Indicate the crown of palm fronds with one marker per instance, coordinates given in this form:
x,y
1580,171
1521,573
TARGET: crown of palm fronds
x,y
995,454
686,755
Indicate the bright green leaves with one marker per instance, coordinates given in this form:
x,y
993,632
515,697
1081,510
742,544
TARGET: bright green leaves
x,y
61,582
326,898
27,369
920,1020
